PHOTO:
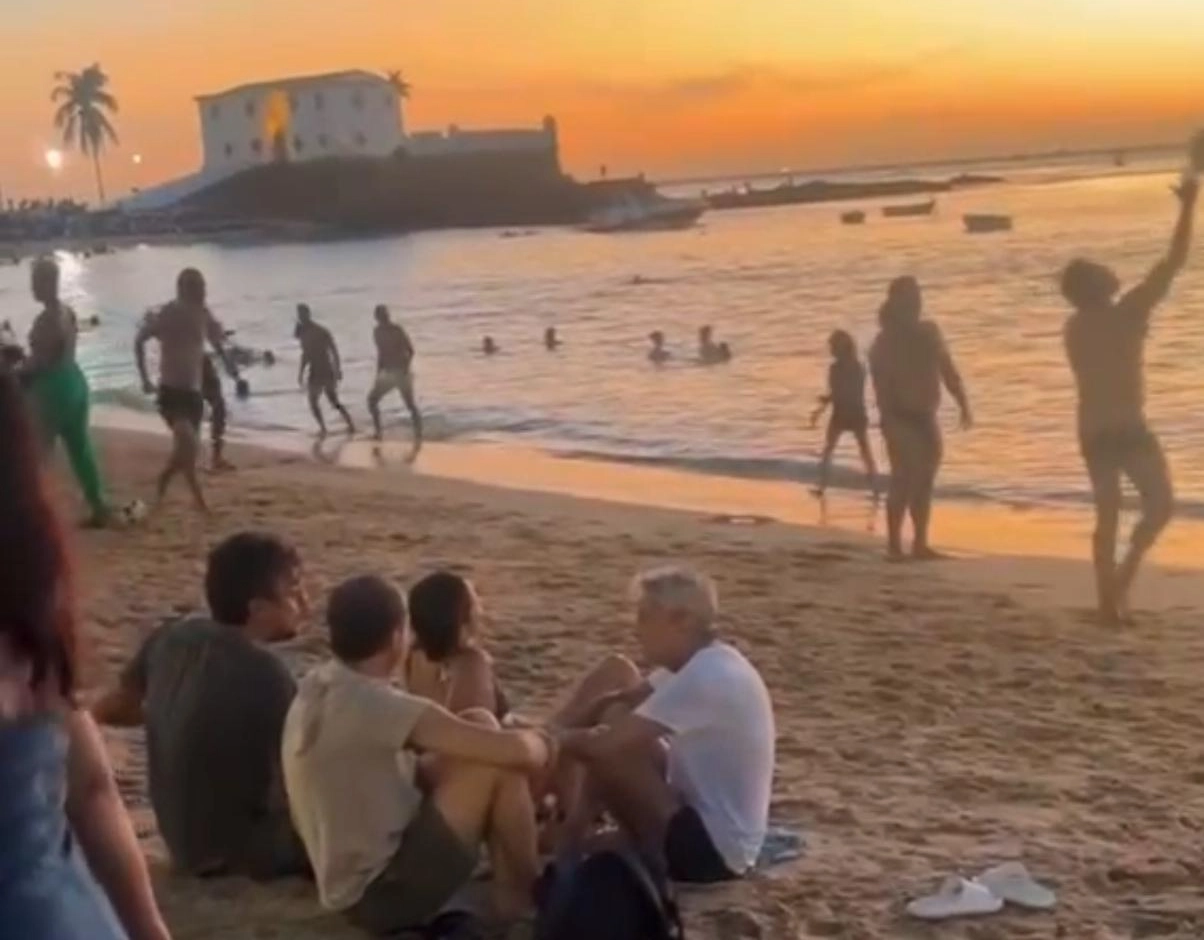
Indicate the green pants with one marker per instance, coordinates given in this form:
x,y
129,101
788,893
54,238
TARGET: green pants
x,y
61,398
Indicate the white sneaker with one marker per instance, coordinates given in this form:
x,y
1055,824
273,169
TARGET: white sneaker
x,y
1012,883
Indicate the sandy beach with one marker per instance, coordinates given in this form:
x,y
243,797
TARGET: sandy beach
x,y
931,719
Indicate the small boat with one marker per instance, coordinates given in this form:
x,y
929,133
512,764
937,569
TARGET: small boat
x,y
649,212
909,209
853,218
983,223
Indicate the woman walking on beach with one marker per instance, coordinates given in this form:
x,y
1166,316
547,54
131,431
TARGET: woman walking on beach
x,y
58,387
71,867
846,397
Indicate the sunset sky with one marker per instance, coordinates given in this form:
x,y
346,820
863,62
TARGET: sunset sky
x,y
672,87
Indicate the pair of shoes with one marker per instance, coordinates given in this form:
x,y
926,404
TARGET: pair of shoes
x,y
958,897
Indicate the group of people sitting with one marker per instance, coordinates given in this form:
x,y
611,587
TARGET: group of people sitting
x,y
387,769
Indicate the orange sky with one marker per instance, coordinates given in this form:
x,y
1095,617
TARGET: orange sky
x,y
672,87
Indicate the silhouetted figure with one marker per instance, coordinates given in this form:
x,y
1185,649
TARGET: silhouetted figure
x,y
488,346
658,354
708,350
551,341
211,391
846,397
1105,343
321,368
723,352
909,362
394,371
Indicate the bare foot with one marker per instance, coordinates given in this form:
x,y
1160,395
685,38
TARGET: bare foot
x,y
924,553
895,555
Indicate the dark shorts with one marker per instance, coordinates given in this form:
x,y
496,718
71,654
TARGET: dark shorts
x,y
321,380
690,854
181,404
1116,446
850,422
428,868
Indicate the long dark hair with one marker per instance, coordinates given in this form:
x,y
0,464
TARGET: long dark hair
x,y
37,598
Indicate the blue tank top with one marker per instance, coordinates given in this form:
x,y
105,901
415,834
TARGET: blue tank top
x,y
46,889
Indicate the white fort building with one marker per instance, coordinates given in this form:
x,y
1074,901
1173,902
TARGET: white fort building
x,y
339,114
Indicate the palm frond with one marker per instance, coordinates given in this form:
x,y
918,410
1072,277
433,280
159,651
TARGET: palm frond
x,y
105,100
64,112
104,126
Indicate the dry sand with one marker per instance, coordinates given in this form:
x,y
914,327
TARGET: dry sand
x,y
927,723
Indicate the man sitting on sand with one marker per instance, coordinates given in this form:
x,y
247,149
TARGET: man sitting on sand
x,y
392,836
1105,343
213,701
682,759
909,362
321,369
394,371
182,328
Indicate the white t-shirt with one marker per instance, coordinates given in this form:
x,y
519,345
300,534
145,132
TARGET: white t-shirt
x,y
721,749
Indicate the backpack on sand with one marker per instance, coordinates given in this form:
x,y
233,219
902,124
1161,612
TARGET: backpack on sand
x,y
609,895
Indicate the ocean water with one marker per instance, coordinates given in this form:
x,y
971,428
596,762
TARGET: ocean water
x,y
772,282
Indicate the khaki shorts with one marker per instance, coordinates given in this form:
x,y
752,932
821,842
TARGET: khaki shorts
x,y
428,868
394,380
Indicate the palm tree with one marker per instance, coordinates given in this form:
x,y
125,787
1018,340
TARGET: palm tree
x,y
83,115
403,88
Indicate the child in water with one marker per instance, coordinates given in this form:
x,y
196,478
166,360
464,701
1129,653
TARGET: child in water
x,y
846,397
447,663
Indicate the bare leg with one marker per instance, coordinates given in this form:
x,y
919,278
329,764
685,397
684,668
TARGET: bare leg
x,y
218,417
332,396
187,452
486,804
898,493
374,398
867,458
407,396
929,453
314,391
1152,477
825,459
614,674
1105,487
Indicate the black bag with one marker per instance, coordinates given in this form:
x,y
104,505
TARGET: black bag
x,y
609,895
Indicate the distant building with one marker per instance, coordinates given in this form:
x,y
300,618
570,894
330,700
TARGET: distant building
x,y
339,114
310,118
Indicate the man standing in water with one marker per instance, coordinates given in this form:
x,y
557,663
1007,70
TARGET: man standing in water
x,y
320,364
1105,343
394,361
182,328
909,362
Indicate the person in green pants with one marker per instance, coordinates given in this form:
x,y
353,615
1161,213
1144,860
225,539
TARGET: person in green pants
x,y
58,388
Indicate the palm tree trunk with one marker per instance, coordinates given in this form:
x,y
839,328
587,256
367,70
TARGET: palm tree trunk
x,y
100,182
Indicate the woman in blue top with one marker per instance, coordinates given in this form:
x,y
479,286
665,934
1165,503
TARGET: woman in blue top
x,y
71,868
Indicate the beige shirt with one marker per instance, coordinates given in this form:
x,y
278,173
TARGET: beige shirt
x,y
350,781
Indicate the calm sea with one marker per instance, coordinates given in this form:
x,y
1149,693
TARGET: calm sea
x,y
772,282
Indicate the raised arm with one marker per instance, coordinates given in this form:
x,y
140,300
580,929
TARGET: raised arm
x,y
100,822
1143,298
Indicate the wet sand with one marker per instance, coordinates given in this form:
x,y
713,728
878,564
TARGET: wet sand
x,y
932,719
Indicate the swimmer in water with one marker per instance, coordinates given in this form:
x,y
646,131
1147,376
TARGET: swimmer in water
x,y
1105,340
488,346
551,341
846,398
658,354
909,363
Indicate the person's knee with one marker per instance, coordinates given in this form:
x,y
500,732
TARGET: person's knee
x,y
1159,510
617,672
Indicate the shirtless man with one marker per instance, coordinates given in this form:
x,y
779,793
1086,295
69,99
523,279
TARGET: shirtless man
x,y
182,328
909,362
320,359
1105,343
394,361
